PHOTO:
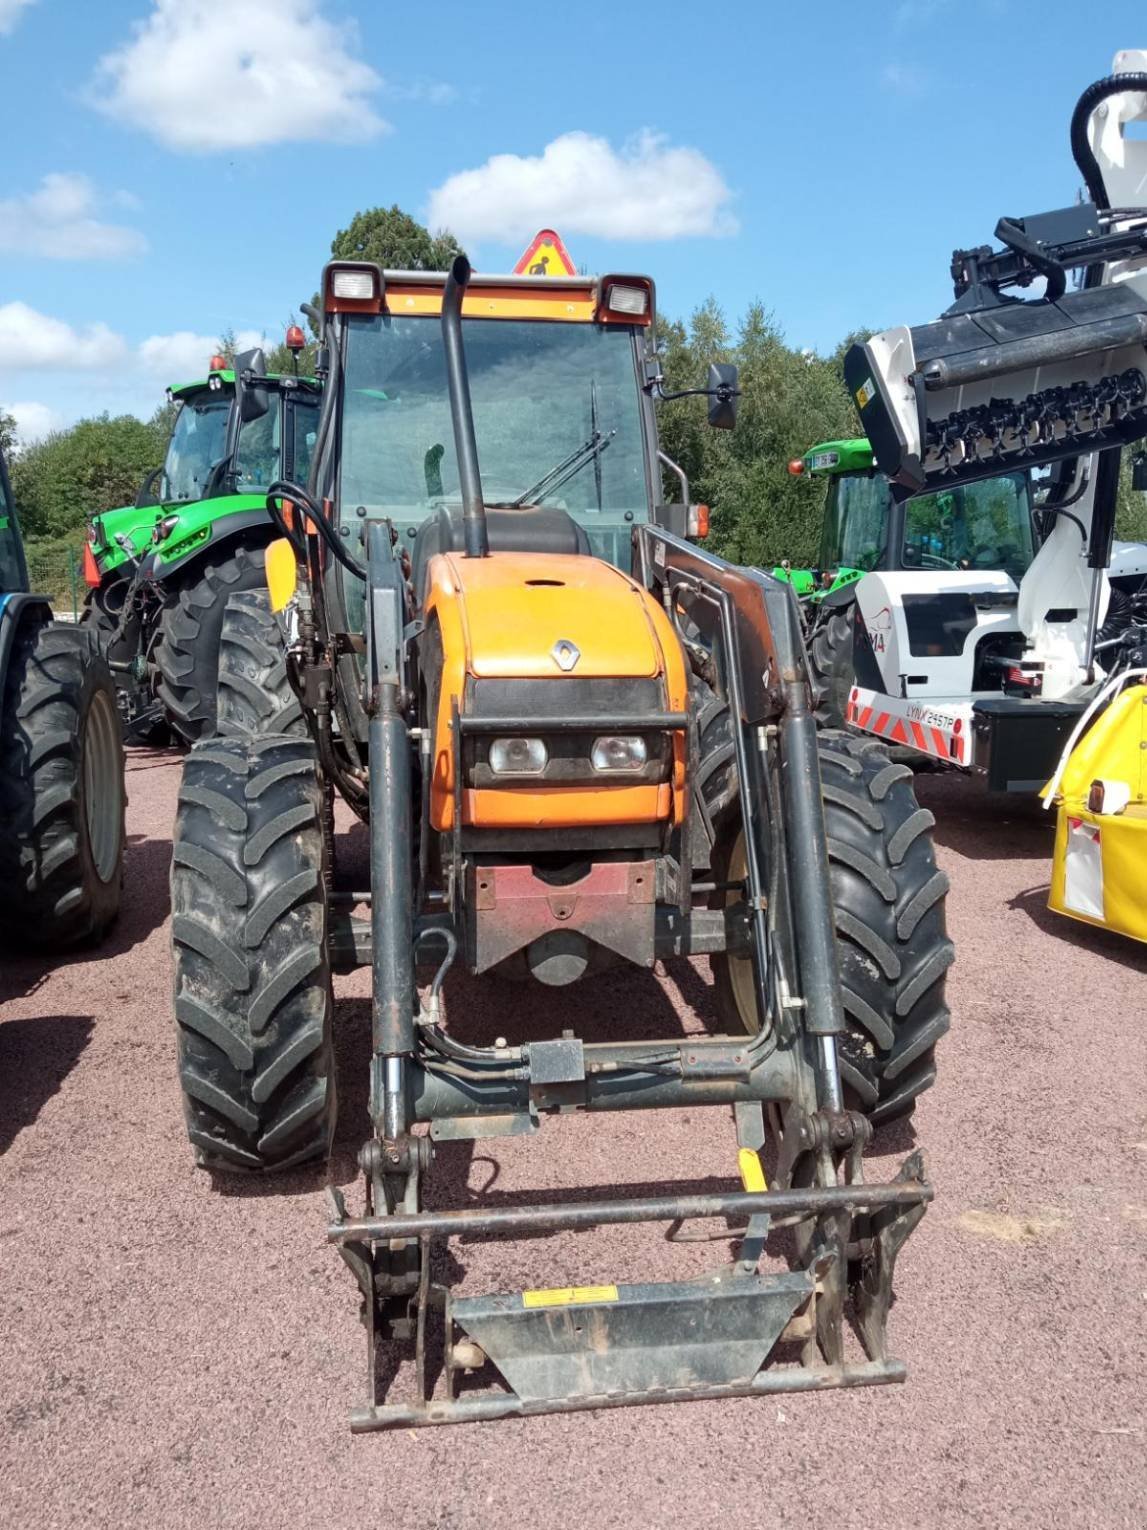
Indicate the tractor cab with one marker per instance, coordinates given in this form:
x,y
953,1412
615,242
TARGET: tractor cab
x,y
233,435
563,377
988,524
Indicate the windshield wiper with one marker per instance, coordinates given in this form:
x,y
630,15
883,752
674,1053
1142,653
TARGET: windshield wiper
x,y
588,451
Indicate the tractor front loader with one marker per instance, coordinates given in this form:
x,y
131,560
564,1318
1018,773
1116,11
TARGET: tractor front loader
x,y
578,739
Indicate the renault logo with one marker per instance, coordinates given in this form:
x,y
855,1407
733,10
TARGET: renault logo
x,y
565,653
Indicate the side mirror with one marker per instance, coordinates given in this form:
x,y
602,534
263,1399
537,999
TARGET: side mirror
x,y
254,401
723,395
1139,472
147,495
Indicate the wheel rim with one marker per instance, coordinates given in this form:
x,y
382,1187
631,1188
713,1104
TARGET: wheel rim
x,y
103,786
742,979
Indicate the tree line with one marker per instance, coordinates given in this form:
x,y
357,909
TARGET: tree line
x,y
760,512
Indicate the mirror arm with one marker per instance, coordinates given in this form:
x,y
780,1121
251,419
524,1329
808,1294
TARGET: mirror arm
x,y
725,393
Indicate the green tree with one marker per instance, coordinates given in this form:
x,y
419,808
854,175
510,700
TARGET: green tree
x,y
789,400
395,240
97,464
7,436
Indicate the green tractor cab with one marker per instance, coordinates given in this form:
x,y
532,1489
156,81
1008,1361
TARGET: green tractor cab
x,y
842,560
161,571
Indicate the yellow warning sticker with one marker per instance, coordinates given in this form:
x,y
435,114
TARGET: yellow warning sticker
x,y
752,1175
567,1296
865,392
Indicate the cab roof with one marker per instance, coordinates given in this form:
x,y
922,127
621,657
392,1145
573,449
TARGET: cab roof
x,y
227,375
849,456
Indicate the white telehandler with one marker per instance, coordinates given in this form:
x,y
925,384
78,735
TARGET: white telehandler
x,y
980,643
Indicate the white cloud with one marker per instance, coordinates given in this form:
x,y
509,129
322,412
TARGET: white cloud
x,y
33,421
10,13
56,221
184,355
34,340
580,184
204,76
176,357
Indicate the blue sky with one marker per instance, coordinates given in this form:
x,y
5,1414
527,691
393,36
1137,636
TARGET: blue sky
x,y
175,167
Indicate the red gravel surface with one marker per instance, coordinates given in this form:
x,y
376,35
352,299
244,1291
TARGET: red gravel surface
x,y
176,1353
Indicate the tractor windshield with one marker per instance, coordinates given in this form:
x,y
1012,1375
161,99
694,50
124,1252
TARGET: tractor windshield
x,y
557,410
985,525
197,444
855,522
264,455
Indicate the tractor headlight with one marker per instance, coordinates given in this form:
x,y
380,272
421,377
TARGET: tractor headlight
x,y
632,300
518,756
619,751
359,286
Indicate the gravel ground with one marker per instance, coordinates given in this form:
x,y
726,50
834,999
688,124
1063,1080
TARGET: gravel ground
x,y
178,1354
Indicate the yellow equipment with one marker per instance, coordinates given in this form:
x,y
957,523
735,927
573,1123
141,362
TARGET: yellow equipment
x,y
1099,873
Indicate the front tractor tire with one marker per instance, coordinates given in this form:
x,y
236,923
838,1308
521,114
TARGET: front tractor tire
x,y
252,968
891,938
255,695
62,796
190,629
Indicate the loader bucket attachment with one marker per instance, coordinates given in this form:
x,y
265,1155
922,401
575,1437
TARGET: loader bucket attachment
x,y
566,1349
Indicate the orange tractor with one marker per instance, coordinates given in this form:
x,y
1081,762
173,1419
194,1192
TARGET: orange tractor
x,y
578,739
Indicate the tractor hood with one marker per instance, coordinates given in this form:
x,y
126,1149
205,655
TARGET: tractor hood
x,y
539,615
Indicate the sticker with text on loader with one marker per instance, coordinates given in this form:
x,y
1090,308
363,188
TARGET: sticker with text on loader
x,y
568,1296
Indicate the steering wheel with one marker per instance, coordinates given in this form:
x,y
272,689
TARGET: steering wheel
x,y
934,560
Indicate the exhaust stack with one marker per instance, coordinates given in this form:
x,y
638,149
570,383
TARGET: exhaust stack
x,y
462,412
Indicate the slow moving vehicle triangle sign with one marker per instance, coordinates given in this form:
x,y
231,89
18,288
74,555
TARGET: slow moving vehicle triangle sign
x,y
545,255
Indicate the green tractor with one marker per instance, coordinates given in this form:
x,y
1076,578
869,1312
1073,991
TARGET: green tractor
x,y
161,571
838,540
61,768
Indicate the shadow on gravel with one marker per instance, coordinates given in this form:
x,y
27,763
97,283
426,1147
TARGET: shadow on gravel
x,y
138,759
36,1057
1118,948
986,826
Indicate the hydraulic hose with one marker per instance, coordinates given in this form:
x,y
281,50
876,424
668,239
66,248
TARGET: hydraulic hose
x,y
283,488
1082,152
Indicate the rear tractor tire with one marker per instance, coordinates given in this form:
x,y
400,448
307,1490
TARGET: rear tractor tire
x,y
892,943
62,796
252,964
190,629
255,697
830,660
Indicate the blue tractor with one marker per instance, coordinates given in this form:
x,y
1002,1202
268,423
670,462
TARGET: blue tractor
x,y
62,794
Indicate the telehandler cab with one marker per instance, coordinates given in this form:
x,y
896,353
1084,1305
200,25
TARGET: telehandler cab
x,y
578,739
